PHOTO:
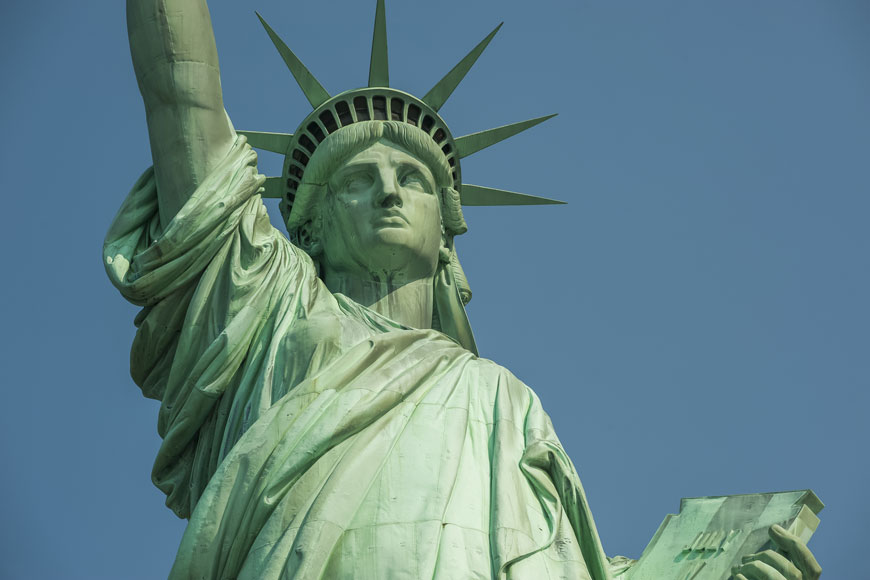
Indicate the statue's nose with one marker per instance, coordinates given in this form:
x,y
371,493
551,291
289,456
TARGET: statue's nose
x,y
389,190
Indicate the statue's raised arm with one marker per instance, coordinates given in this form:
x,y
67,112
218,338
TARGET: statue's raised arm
x,y
176,64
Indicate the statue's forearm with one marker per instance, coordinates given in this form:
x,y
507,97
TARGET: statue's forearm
x,y
176,64
167,39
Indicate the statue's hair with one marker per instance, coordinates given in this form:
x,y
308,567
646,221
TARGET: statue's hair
x,y
340,146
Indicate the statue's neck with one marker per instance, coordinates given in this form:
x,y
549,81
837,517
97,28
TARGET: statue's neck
x,y
408,303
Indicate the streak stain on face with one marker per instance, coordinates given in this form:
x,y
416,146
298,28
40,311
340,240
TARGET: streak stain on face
x,y
382,216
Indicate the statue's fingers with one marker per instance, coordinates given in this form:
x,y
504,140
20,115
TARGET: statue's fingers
x,y
740,577
797,552
777,561
756,570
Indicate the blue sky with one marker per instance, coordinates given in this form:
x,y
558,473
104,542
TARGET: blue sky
x,y
695,320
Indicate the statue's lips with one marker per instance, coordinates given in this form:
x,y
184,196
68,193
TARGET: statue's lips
x,y
390,219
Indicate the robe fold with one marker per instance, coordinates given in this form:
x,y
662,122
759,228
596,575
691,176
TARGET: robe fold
x,y
307,436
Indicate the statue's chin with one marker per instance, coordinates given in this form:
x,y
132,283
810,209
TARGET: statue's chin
x,y
395,236
399,262
392,252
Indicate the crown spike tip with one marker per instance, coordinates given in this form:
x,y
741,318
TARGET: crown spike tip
x,y
438,95
379,69
314,91
479,195
469,144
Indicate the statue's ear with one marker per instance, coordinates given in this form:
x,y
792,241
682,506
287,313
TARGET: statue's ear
x,y
308,238
446,249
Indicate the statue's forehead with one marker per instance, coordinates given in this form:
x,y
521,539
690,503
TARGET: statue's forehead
x,y
384,150
385,153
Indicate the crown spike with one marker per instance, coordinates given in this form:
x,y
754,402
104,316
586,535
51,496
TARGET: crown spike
x,y
473,143
314,91
274,142
379,69
438,95
479,195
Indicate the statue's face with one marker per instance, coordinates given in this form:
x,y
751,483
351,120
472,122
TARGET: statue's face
x,y
382,216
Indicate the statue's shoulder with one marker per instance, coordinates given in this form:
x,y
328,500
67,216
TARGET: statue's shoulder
x,y
500,381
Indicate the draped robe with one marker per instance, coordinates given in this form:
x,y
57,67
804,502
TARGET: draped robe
x,y
307,436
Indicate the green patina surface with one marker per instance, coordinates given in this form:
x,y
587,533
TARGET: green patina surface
x,y
323,410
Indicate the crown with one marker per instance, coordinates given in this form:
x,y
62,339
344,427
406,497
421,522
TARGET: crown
x,y
378,101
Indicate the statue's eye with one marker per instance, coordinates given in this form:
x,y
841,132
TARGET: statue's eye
x,y
357,182
415,180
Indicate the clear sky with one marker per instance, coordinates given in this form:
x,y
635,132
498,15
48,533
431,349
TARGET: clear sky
x,y
695,320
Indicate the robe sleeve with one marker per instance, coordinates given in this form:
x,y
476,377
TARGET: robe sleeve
x,y
213,283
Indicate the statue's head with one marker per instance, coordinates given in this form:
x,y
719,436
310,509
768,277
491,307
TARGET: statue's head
x,y
372,182
377,198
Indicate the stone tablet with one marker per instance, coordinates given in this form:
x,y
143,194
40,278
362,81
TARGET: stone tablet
x,y
712,534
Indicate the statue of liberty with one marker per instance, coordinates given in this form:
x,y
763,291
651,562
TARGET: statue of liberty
x,y
324,412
